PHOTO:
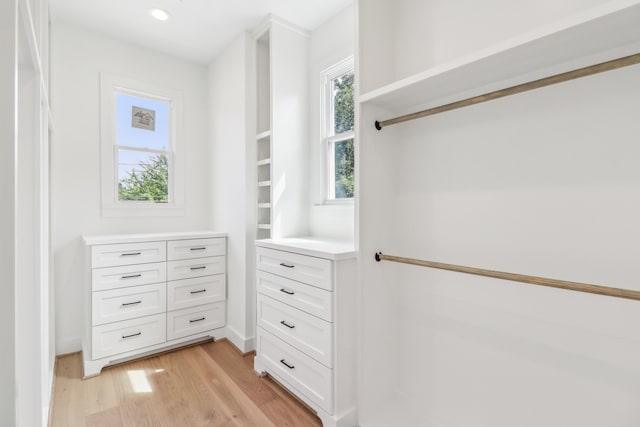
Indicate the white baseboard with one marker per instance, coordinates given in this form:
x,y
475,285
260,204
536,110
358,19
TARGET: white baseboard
x,y
245,345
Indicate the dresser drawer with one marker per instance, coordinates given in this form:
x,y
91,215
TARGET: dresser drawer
x,y
307,298
127,254
305,332
306,375
182,323
195,248
306,269
197,291
128,335
127,303
189,268
128,275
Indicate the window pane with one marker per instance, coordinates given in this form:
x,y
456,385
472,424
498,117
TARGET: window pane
x,y
142,122
142,176
343,157
343,103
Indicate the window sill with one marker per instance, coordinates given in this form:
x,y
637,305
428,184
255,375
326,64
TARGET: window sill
x,y
151,210
337,203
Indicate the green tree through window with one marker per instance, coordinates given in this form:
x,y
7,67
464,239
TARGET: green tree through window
x,y
148,182
343,123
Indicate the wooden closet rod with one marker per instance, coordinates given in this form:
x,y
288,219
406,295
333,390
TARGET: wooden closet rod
x,y
524,87
532,280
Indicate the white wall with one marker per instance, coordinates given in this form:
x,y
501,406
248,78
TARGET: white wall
x,y
544,183
233,194
330,43
78,56
8,135
453,29
426,33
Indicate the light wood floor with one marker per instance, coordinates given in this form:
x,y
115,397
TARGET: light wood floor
x,y
210,384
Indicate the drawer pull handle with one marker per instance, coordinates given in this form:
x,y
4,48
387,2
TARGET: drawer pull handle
x,y
125,304
287,325
286,364
287,291
202,267
198,249
132,276
198,292
124,337
197,320
131,254
287,265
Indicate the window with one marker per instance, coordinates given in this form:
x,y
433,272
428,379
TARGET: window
x,y
141,171
337,126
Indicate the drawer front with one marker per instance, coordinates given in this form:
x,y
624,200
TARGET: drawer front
x,y
189,268
307,376
128,303
307,298
127,254
182,323
197,291
305,332
196,248
306,269
128,335
128,275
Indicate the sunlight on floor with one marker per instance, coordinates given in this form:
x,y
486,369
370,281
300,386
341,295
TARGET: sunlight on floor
x,y
139,382
138,379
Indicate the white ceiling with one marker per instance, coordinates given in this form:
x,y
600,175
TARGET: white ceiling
x,y
198,29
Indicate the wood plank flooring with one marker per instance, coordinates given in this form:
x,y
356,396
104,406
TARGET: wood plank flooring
x,y
210,384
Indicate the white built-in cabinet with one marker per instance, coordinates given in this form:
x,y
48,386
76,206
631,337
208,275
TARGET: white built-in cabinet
x,y
281,52
149,293
515,184
306,314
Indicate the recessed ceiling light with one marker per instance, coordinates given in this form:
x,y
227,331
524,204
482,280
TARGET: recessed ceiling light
x,y
159,14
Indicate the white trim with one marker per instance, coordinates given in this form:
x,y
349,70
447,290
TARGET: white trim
x,y
111,206
271,19
244,344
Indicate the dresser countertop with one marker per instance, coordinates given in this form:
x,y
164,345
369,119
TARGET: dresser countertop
x,y
312,246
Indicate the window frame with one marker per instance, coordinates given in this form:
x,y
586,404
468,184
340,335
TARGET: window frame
x,y
110,86
327,127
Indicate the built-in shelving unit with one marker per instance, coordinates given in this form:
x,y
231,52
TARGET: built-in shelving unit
x,y
281,82
263,136
397,169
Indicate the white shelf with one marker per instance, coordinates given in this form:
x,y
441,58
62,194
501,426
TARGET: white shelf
x,y
607,32
264,183
264,162
264,226
264,205
263,135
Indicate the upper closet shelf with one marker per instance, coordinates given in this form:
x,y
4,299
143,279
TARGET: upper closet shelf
x,y
600,34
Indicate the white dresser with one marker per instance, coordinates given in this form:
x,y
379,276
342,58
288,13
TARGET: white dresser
x,y
306,311
152,292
